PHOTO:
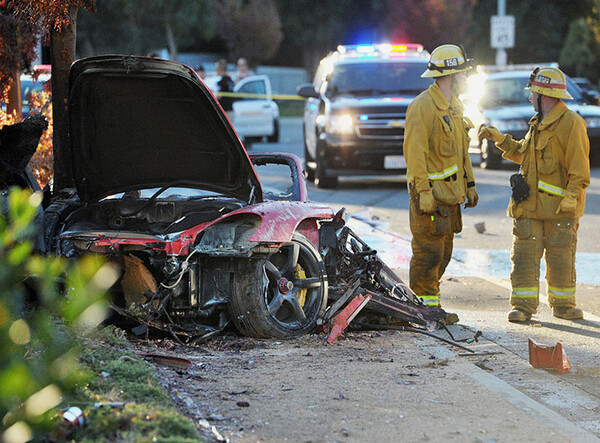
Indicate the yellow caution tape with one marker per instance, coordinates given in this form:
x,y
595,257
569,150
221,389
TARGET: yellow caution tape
x,y
249,95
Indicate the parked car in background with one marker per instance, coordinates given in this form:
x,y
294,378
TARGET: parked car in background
x,y
356,108
255,114
499,98
589,90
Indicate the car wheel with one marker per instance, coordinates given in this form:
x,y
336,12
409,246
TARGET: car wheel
x,y
490,155
275,137
282,296
321,179
308,173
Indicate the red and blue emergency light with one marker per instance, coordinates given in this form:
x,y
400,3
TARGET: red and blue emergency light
x,y
383,49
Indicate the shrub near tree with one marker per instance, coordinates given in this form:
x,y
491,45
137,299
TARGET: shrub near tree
x,y
39,368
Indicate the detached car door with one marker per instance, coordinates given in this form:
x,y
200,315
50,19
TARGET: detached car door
x,y
254,116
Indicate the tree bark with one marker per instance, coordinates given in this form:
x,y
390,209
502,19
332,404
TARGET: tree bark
x,y
14,104
62,47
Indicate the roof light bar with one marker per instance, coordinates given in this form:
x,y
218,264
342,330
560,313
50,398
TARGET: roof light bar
x,y
385,48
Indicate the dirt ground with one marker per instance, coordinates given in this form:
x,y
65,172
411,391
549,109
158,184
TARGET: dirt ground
x,y
398,386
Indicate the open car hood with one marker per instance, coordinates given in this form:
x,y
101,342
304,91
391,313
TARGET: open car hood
x,y
138,122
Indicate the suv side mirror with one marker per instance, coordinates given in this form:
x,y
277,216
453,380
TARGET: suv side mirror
x,y
307,90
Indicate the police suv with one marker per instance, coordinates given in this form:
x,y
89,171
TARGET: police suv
x,y
356,108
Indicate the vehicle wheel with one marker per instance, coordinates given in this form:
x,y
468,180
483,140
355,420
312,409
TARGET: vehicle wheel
x,y
321,178
275,137
282,296
308,173
491,158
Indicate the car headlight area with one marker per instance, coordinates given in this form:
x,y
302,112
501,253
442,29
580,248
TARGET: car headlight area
x,y
340,124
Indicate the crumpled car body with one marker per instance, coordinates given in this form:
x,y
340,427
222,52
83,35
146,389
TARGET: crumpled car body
x,y
164,188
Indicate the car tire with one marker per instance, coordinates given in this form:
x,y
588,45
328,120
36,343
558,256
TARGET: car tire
x,y
491,158
263,305
322,180
308,173
275,137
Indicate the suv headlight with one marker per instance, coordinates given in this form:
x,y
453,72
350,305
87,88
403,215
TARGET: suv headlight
x,y
340,124
592,122
511,125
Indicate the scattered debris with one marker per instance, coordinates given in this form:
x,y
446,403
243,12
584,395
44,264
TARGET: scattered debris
x,y
482,365
548,357
480,227
242,404
74,417
167,360
360,279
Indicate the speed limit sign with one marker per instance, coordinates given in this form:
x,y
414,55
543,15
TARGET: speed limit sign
x,y
502,31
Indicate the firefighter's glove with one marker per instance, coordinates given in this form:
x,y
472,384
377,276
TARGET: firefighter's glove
x,y
568,205
472,198
426,201
492,133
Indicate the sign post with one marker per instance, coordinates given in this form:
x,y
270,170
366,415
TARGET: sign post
x,y
502,33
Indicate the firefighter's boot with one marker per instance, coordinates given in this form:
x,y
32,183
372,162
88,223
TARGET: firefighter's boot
x,y
518,316
450,319
567,313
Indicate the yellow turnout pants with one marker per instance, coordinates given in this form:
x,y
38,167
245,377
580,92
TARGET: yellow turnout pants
x,y
432,237
531,238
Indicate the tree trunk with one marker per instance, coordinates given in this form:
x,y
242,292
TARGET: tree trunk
x,y
62,47
14,104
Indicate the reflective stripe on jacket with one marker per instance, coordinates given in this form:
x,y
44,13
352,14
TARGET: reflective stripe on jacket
x,y
555,163
436,146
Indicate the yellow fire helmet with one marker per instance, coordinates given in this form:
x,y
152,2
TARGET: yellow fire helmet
x,y
446,60
549,81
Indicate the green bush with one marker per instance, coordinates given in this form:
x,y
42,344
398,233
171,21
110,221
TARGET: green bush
x,y
43,302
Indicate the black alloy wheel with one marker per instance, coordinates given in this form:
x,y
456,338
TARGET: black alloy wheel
x,y
282,296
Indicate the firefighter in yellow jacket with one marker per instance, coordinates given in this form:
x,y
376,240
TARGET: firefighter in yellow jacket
x,y
548,197
439,171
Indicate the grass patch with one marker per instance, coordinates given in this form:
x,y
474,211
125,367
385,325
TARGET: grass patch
x,y
149,415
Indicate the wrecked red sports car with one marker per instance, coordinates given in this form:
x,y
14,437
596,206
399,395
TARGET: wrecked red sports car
x,y
164,187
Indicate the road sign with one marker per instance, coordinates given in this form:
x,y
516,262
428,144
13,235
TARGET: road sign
x,y
502,31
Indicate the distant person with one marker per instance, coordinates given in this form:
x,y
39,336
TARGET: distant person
x,y
224,84
242,70
548,197
200,71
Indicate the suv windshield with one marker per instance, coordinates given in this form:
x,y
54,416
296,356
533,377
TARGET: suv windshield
x,y
378,78
511,91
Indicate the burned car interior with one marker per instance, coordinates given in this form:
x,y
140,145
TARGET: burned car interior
x,y
165,189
